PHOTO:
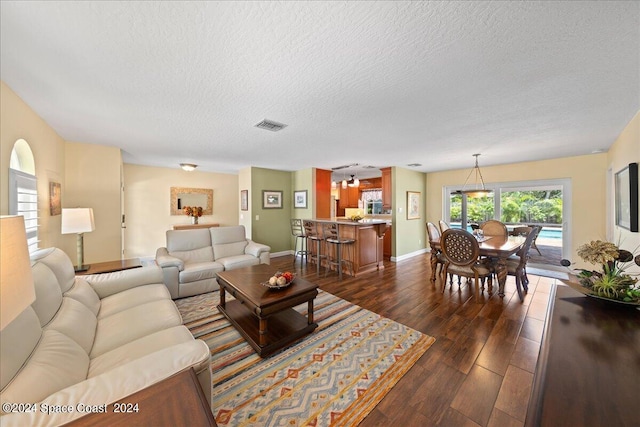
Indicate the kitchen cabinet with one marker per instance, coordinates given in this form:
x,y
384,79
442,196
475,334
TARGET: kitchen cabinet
x,y
386,245
386,188
349,197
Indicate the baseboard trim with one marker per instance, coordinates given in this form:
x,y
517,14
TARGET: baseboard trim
x,y
410,255
281,253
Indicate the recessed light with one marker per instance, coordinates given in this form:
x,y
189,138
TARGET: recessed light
x,y
597,151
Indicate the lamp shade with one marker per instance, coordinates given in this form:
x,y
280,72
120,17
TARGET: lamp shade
x,y
17,291
77,220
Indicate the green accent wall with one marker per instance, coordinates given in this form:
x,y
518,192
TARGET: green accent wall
x,y
409,235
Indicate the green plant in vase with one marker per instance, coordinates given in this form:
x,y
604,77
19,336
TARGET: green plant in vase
x,y
612,282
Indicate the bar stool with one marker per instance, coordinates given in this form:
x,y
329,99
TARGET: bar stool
x,y
297,230
311,233
332,237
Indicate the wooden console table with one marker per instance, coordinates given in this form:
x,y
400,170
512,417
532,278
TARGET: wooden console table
x,y
589,363
192,226
111,266
176,401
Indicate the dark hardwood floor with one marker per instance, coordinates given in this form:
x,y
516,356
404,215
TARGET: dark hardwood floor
x,y
480,370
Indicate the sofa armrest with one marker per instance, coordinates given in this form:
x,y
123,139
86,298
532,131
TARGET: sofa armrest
x,y
255,249
118,383
106,284
163,259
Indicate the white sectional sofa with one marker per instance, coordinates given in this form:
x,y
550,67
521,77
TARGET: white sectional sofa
x,y
92,340
192,258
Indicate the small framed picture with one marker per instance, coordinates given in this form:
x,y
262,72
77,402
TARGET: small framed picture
x,y
54,198
413,205
244,200
271,199
300,199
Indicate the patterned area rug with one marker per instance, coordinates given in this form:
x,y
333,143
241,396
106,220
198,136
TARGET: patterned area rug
x,y
333,377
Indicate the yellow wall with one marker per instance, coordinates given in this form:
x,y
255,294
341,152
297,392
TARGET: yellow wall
x,y
93,180
625,150
147,204
588,176
18,120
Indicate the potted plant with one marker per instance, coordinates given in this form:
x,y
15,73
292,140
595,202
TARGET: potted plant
x,y
612,282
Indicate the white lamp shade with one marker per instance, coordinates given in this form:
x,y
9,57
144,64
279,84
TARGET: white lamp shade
x,y
17,291
77,220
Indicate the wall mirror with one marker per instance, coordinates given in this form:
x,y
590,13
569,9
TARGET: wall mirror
x,y
184,196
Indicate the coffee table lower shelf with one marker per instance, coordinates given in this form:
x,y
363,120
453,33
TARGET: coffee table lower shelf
x,y
284,327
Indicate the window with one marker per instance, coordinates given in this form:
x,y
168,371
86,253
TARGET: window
x,y
23,191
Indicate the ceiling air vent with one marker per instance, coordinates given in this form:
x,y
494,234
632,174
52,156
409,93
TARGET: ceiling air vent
x,y
270,125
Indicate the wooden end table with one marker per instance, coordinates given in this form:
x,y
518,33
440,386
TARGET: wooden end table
x,y
265,317
111,266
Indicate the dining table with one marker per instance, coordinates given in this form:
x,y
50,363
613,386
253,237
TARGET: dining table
x,y
497,248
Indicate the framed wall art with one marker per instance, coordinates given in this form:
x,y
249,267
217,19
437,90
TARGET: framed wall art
x,y
271,199
413,205
244,200
300,199
626,197
54,198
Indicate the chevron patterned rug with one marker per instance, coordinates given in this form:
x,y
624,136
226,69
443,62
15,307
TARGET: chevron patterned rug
x,y
333,377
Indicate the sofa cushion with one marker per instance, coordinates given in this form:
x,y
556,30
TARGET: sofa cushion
x,y
57,362
187,240
194,256
131,298
135,322
139,348
84,293
77,322
59,263
200,271
17,341
238,261
48,294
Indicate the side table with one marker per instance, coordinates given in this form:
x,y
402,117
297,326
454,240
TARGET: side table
x,y
111,266
176,401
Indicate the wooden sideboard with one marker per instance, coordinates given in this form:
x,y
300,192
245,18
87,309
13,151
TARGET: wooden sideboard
x,y
589,363
193,226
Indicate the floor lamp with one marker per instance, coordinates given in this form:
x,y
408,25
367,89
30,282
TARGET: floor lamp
x,y
78,221
17,291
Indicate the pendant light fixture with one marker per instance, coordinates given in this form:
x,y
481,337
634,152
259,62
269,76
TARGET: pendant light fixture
x,y
479,190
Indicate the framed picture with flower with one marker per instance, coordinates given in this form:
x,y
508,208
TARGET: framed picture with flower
x,y
626,197
413,205
271,199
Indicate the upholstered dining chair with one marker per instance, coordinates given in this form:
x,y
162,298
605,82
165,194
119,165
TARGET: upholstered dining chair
x,y
516,265
443,226
494,228
436,252
461,251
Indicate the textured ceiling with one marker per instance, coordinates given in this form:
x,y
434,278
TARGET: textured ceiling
x,y
381,84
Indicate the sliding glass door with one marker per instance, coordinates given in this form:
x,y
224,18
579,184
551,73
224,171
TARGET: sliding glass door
x,y
545,203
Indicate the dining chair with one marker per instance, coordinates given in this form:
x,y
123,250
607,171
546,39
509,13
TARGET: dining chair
x,y
436,253
516,265
443,226
533,245
461,251
494,228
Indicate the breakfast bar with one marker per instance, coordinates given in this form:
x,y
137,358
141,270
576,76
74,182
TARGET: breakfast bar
x,y
368,247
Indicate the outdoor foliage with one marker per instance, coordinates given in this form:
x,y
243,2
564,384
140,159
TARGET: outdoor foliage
x,y
535,207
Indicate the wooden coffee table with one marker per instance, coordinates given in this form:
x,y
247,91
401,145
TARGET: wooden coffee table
x,y
265,316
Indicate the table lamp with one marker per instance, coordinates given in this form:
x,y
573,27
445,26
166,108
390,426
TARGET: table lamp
x,y
78,221
17,290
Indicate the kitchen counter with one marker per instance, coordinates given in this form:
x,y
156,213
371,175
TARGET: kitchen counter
x,y
369,253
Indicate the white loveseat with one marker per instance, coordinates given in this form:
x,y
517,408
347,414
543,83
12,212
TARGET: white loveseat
x,y
192,258
92,340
